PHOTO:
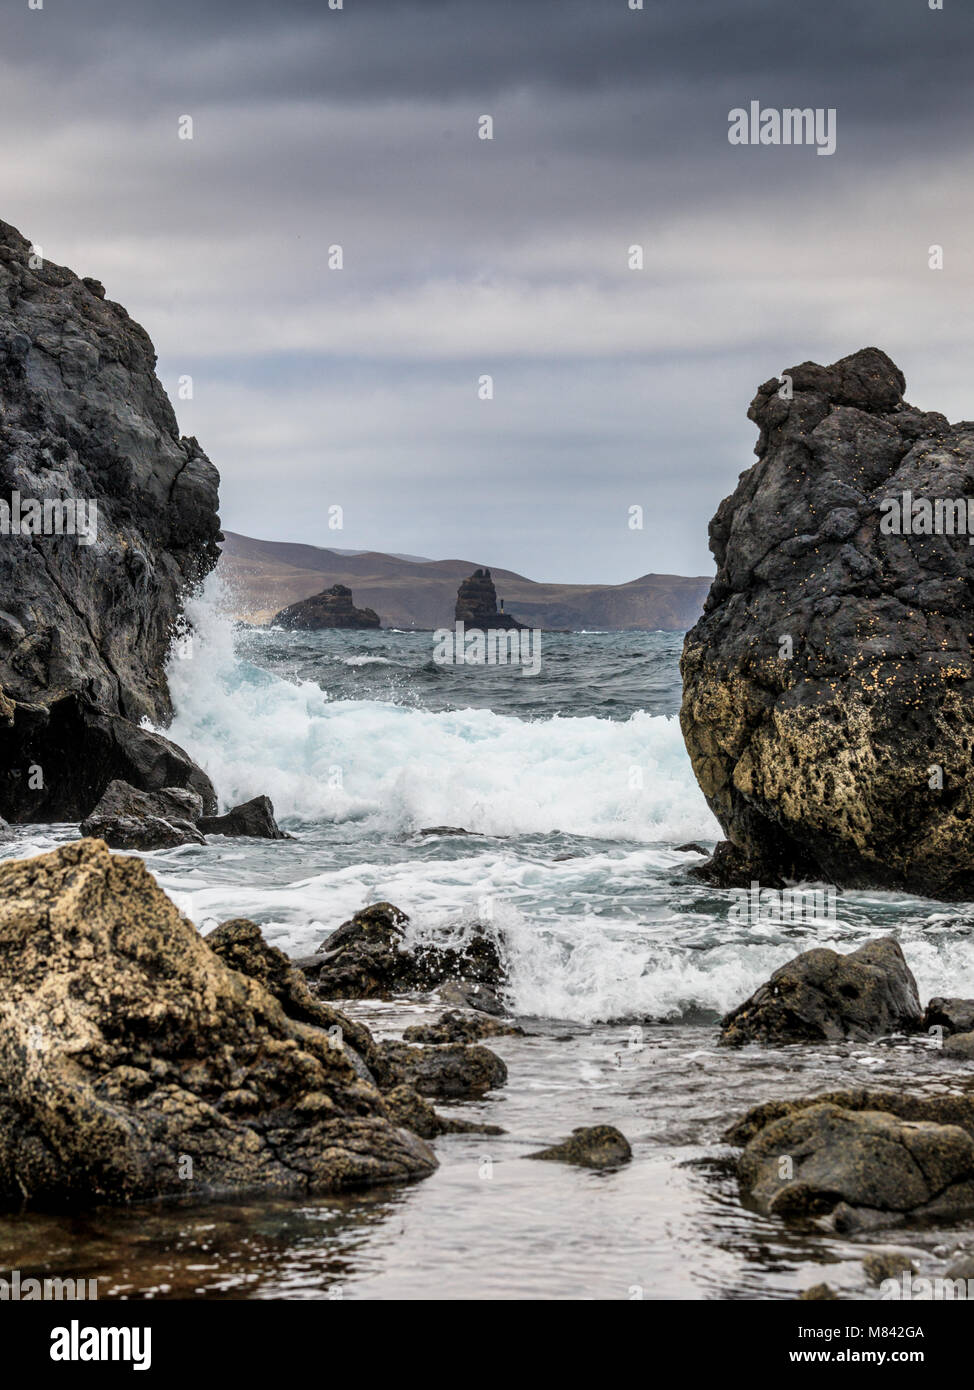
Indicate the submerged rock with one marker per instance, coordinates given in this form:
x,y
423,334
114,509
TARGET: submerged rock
x,y
253,819
597,1146
136,1063
455,1027
407,1107
126,818
331,608
828,688
87,435
367,957
823,996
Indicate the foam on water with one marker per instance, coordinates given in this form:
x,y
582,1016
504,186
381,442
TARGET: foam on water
x,y
406,768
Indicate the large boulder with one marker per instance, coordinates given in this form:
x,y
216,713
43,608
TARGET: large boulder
x,y
828,688
822,996
126,818
87,620
453,1071
136,1063
367,957
809,1161
331,608
252,820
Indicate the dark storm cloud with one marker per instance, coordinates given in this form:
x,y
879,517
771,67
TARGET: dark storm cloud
x,y
315,126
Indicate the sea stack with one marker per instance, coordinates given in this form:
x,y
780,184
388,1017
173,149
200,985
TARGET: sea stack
x,y
331,608
828,703
107,519
477,604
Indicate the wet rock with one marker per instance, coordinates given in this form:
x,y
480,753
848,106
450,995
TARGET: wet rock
x,y
86,629
407,1108
960,1045
454,1027
828,688
693,848
952,1015
594,1146
126,818
939,1109
331,608
367,957
443,830
451,1072
253,819
467,995
135,1063
887,1264
962,1268
823,996
817,1293
808,1161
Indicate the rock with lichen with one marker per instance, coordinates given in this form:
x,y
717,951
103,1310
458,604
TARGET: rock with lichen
x,y
828,687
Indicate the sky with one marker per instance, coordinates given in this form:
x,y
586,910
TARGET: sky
x,y
359,388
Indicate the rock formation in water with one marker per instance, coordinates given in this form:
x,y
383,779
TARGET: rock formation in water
x,y
331,608
477,604
829,686
138,1060
107,517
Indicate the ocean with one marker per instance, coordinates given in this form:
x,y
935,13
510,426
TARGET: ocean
x,y
575,793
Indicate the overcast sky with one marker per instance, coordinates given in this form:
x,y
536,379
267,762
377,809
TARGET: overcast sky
x,y
464,257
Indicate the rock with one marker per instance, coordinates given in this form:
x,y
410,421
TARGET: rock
x,y
331,608
598,1146
406,1107
366,957
468,995
940,1109
823,996
960,1045
962,1268
828,687
126,818
692,848
477,604
450,1072
136,1064
85,629
887,1264
5,832
952,1015
865,1158
443,830
454,1027
253,819
817,1293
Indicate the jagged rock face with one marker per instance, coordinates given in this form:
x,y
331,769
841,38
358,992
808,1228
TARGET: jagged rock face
x,y
477,604
331,608
137,1062
828,686
84,420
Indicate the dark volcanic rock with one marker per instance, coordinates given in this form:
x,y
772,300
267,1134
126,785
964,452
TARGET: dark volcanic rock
x,y
365,957
85,629
952,1015
406,1107
598,1146
331,608
823,996
828,687
126,818
477,604
941,1110
868,1159
455,1027
451,1072
466,994
254,819
135,1063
